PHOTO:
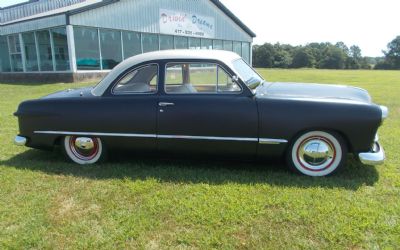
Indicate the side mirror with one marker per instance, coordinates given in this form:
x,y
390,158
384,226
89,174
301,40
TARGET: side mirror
x,y
235,78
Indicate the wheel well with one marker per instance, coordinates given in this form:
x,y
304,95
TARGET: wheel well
x,y
57,141
344,137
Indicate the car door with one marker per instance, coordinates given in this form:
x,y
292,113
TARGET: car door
x,y
201,110
129,110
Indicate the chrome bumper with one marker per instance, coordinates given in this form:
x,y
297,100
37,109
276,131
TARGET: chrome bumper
x,y
374,157
20,140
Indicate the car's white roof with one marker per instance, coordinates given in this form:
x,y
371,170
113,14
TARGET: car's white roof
x,y
226,57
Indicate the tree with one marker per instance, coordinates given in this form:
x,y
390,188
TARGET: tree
x,y
343,47
354,60
263,56
317,50
283,55
392,56
393,53
355,52
313,55
335,58
303,58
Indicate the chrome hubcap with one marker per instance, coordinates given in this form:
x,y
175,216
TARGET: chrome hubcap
x,y
84,143
84,148
316,154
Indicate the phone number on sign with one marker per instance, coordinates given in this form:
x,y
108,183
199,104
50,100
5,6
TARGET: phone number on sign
x,y
189,33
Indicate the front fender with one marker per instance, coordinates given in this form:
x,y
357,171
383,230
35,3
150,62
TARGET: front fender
x,y
285,118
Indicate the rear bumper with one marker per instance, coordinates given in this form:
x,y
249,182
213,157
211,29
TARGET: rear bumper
x,y
20,140
375,157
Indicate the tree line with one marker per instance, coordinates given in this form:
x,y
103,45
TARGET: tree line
x,y
324,56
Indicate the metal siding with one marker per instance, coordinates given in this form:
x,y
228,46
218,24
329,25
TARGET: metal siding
x,y
32,8
42,23
143,16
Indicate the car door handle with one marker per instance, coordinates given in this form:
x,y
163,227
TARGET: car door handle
x,y
165,104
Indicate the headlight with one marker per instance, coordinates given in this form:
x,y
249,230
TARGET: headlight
x,y
385,112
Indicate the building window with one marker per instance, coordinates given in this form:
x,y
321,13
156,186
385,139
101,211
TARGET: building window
x,y
132,44
87,48
111,48
237,48
44,44
4,57
166,42
150,42
181,42
31,62
194,43
15,53
60,42
246,52
217,44
228,45
206,44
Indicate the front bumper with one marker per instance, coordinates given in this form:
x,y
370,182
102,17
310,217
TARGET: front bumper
x,y
20,140
375,157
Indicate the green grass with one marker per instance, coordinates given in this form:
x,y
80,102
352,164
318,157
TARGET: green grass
x,y
170,203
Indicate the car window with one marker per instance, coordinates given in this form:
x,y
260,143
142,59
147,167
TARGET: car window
x,y
250,77
140,80
226,83
194,78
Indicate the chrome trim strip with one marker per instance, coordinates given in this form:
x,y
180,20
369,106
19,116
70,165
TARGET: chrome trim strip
x,y
272,141
165,104
215,138
96,134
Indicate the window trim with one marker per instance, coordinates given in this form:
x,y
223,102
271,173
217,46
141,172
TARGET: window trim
x,y
133,92
207,93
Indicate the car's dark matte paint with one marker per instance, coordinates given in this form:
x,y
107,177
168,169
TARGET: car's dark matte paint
x,y
313,90
280,114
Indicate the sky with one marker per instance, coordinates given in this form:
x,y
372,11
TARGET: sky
x,y
370,24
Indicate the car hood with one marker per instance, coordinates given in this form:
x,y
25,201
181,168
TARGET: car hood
x,y
313,91
81,92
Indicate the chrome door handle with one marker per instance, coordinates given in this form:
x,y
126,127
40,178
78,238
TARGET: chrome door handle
x,y
165,104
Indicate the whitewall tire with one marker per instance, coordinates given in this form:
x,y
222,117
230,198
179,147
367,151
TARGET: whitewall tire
x,y
317,153
83,150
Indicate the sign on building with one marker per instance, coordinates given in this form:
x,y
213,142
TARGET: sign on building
x,y
186,24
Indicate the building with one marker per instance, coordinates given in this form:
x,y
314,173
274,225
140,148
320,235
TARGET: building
x,y
73,40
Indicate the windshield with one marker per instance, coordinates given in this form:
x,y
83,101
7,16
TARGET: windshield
x,y
250,77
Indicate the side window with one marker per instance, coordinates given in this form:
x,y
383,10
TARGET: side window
x,y
226,83
140,80
192,78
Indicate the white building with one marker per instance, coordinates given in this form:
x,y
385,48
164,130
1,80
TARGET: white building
x,y
70,40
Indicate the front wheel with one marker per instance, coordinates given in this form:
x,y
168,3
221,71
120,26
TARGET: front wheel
x,y
317,153
83,150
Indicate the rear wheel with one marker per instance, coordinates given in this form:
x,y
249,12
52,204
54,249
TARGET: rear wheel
x,y
317,153
83,150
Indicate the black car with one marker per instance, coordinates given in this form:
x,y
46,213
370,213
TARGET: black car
x,y
207,103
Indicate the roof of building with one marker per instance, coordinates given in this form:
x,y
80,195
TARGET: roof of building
x,y
233,17
93,4
226,57
70,9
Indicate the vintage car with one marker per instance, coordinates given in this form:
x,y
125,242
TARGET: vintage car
x,y
206,103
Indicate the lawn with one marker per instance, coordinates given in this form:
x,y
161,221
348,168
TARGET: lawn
x,y
145,203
